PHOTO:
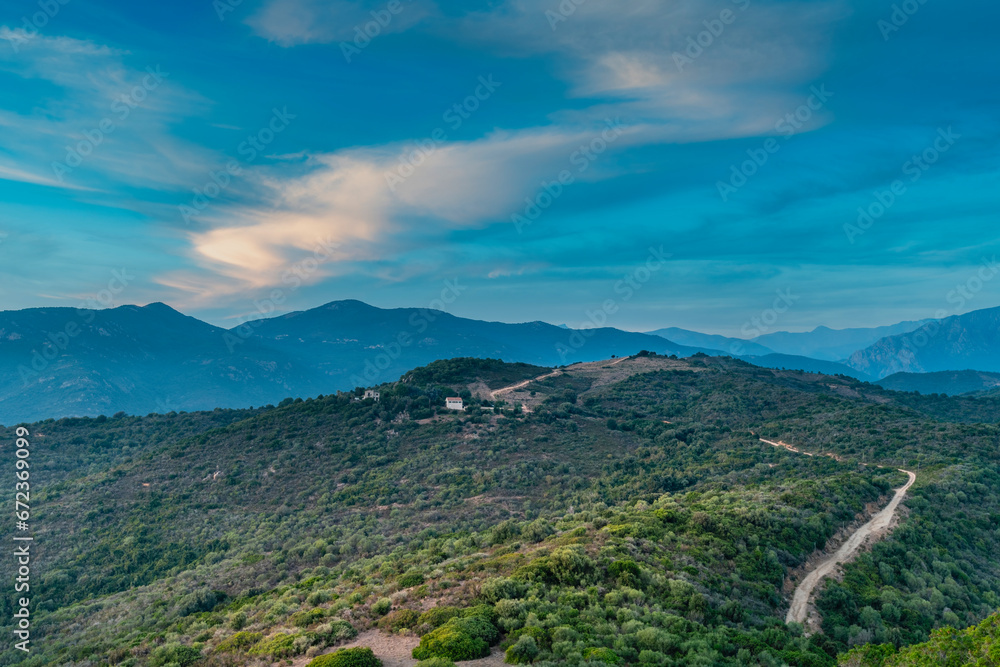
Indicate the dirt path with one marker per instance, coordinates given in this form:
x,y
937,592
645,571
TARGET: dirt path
x,y
876,528
520,385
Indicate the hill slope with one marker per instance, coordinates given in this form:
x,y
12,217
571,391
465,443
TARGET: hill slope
x,y
59,362
960,342
630,513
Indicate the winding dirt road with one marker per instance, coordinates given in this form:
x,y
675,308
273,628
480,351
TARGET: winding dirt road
x,y
879,524
877,527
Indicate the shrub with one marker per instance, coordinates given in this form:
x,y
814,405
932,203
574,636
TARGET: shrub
x,y
501,588
483,611
280,645
171,654
450,642
400,619
436,662
347,657
303,619
626,571
336,630
600,654
478,627
438,616
382,606
410,579
241,641
522,652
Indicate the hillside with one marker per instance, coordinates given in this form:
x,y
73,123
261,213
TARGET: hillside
x,y
952,383
831,344
960,342
617,510
59,362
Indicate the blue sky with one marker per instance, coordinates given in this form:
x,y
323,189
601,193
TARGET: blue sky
x,y
228,153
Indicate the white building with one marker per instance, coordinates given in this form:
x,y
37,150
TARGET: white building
x,y
372,394
454,404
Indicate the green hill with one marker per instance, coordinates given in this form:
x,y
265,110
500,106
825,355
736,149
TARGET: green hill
x,y
616,512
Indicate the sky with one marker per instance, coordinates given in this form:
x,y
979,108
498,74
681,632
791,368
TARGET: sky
x,y
636,163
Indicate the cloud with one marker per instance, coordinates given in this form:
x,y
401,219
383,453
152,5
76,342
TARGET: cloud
x,y
623,57
293,22
99,120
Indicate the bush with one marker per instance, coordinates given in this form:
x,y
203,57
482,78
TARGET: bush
x,y
451,642
501,588
436,662
410,579
336,630
522,652
438,616
382,606
172,654
280,645
347,657
400,619
478,627
241,641
600,654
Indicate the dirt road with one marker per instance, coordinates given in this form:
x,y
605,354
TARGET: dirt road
x,y
515,387
879,524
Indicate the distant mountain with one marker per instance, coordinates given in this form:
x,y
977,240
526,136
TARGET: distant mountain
x,y
63,361
57,362
832,344
952,383
733,346
361,344
955,343
797,363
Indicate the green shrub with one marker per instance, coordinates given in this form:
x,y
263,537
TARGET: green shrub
x,y
382,606
451,642
625,571
336,630
478,627
410,579
601,654
241,641
501,588
400,619
436,662
347,657
303,619
174,654
522,652
438,616
484,611
280,645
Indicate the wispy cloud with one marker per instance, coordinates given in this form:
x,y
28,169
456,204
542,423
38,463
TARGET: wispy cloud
x,y
294,22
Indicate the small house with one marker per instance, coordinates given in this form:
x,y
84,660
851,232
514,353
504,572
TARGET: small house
x,y
454,404
372,394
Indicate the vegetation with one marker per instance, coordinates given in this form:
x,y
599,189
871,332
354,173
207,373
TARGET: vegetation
x,y
632,516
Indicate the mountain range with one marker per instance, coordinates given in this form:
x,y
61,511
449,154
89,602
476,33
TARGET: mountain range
x,y
59,362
